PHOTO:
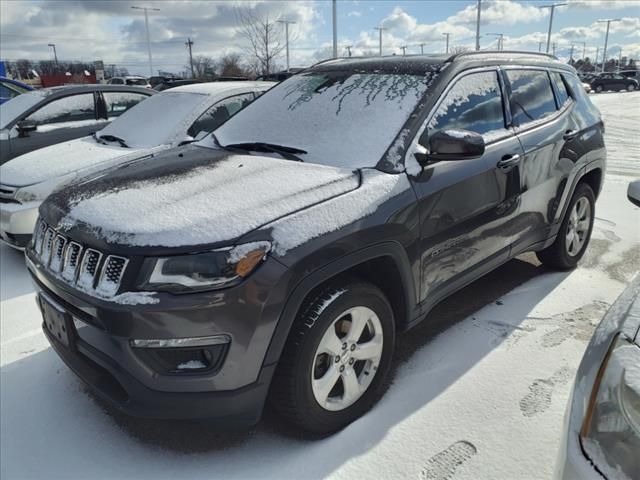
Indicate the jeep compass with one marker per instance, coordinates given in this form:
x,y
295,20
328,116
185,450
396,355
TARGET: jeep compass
x,y
276,259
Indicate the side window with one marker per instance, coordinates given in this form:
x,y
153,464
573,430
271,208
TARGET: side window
x,y
563,94
531,95
584,112
119,102
6,92
219,113
67,109
474,103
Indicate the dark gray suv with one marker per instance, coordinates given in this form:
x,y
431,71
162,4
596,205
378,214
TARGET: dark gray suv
x,y
279,257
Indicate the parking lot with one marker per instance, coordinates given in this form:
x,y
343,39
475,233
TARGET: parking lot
x,y
479,389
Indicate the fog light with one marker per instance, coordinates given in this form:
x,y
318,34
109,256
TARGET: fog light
x,y
181,342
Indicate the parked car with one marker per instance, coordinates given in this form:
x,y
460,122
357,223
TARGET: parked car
x,y
278,257
132,80
52,115
165,121
601,436
635,74
166,85
11,88
613,81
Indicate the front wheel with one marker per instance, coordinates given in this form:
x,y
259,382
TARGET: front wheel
x,y
631,87
599,89
335,365
575,231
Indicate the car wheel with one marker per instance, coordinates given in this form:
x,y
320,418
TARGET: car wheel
x,y
335,365
631,87
575,231
599,89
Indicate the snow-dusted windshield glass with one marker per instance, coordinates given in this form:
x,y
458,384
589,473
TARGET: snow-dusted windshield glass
x,y
159,120
15,107
342,119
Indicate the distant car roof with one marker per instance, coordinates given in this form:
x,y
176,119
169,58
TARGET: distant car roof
x,y
96,87
212,88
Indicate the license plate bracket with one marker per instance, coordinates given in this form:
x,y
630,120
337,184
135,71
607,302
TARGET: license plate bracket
x,y
57,321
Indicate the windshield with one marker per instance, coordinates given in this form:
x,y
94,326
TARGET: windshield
x,y
136,81
159,120
15,107
342,119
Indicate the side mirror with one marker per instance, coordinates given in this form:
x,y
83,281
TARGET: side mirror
x,y
633,193
453,144
26,126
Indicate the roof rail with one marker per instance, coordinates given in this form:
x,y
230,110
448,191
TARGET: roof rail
x,y
480,52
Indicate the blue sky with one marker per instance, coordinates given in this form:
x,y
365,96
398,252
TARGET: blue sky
x,y
110,31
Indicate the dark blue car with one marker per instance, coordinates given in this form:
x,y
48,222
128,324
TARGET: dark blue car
x,y
11,88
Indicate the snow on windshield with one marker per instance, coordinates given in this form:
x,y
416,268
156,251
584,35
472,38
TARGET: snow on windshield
x,y
340,118
159,120
15,107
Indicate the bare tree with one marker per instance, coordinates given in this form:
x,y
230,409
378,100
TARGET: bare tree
x,y
458,49
230,66
264,37
203,66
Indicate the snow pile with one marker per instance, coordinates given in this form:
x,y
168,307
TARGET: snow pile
x,y
377,187
208,204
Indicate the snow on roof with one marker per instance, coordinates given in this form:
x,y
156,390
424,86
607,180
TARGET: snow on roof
x,y
213,88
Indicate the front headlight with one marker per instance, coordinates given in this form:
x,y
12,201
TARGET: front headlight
x,y
611,431
204,271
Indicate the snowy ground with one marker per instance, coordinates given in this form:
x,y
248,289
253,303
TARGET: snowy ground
x,y
484,382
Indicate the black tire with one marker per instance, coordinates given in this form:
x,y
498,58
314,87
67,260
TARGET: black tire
x,y
291,393
556,255
599,89
631,87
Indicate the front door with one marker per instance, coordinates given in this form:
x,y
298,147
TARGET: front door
x,y
466,206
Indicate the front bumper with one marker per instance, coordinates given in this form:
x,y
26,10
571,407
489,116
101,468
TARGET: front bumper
x,y
17,222
104,358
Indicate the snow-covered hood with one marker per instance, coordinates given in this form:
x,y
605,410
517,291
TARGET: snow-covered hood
x,y
191,196
75,156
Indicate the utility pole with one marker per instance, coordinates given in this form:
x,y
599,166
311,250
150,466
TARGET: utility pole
x,y
478,26
571,53
584,50
595,62
286,36
540,46
552,7
554,45
606,39
447,35
620,60
380,29
55,55
146,24
189,44
422,48
348,47
404,50
500,39
335,28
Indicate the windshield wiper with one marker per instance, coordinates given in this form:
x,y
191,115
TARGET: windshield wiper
x,y
284,151
110,138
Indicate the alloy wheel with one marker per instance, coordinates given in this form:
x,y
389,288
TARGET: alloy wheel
x,y
578,226
347,358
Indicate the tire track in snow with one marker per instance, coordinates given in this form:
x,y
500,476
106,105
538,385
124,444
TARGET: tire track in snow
x,y
443,465
578,324
538,399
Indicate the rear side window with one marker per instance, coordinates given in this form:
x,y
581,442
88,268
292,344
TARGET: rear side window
x,y
561,88
119,102
474,103
531,95
67,109
219,113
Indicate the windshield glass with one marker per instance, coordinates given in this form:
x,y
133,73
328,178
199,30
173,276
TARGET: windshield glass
x,y
12,109
343,119
159,120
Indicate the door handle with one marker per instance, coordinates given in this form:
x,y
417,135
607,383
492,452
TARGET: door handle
x,y
570,134
508,161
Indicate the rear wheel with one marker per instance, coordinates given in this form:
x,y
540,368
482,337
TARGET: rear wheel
x,y
631,87
335,365
599,89
575,231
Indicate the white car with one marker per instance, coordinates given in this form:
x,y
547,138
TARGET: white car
x,y
132,80
166,120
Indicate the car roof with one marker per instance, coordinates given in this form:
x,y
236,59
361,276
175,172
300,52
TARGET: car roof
x,y
96,87
421,64
212,88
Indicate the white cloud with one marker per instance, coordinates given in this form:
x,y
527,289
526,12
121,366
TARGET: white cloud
x,y
354,13
505,12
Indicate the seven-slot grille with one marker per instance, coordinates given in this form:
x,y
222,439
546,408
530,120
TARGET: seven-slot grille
x,y
78,266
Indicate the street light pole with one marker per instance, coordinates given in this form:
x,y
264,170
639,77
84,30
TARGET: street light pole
x,y
286,36
540,46
334,10
55,55
447,35
478,26
348,47
146,24
404,50
422,48
380,29
500,39
189,43
606,38
552,7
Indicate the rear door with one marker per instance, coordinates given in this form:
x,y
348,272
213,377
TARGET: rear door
x,y
541,115
59,120
467,206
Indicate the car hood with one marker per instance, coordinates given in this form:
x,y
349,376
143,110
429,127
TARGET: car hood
x,y
63,159
191,196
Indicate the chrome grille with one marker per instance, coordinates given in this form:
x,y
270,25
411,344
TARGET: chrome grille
x,y
76,265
